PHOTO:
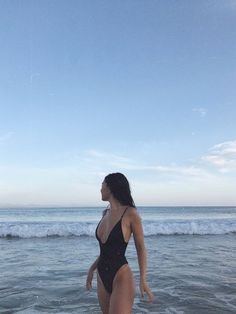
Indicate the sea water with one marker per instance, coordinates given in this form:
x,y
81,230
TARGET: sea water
x,y
45,254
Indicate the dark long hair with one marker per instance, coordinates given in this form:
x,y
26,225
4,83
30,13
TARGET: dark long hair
x,y
120,188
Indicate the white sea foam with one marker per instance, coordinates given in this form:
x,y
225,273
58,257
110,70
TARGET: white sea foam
x,y
151,228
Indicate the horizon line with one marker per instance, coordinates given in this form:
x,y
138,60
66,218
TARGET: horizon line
x,y
97,206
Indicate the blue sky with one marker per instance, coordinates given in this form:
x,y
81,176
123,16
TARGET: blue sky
x,y
146,88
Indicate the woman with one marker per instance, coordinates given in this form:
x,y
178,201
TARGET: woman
x,y
115,281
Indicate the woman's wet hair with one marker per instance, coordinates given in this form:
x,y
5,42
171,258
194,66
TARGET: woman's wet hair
x,y
120,188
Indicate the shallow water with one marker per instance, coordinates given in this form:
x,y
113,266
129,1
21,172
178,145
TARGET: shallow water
x,y
187,274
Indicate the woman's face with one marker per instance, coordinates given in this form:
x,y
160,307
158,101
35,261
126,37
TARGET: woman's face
x,y
105,191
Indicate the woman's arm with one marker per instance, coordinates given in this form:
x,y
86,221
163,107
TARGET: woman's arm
x,y
94,265
137,229
90,274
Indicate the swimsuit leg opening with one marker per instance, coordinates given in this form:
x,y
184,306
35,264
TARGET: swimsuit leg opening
x,y
117,272
104,283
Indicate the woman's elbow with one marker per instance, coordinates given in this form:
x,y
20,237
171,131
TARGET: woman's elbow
x,y
140,247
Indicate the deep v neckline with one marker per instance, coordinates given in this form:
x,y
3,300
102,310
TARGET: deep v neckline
x,y
110,232
111,229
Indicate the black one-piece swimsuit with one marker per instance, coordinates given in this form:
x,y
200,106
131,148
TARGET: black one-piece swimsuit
x,y
112,254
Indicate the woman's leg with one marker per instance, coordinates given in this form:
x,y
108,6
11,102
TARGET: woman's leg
x,y
123,291
103,296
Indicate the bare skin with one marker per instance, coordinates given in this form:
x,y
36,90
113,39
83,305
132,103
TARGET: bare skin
x,y
123,290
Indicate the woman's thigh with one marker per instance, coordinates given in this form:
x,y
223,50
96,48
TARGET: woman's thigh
x,y
103,296
123,291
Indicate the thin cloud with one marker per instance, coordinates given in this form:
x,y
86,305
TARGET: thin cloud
x,y
108,156
124,163
231,4
222,156
201,111
32,76
5,137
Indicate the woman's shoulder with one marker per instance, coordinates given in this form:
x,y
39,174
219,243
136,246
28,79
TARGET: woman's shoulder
x,y
133,212
133,217
132,209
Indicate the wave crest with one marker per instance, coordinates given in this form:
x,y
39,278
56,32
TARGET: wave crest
x,y
151,228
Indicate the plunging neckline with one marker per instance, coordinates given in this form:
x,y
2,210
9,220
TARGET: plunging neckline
x,y
111,229
110,233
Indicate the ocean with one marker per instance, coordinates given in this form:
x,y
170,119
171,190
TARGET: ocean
x,y
45,254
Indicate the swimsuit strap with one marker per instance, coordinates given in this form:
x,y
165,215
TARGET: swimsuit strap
x,y
124,212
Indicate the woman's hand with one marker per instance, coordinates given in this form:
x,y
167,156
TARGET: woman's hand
x,y
145,288
89,279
